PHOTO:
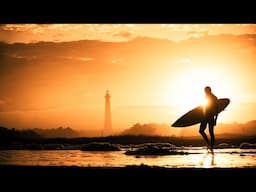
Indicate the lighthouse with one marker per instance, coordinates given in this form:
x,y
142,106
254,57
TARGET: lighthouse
x,y
107,120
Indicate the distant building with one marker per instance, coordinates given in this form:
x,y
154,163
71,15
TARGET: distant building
x,y
107,124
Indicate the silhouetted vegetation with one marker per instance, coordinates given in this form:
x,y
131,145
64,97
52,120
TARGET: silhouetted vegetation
x,y
152,129
57,132
11,135
7,134
29,139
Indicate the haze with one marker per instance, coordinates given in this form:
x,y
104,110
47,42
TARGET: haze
x,y
56,75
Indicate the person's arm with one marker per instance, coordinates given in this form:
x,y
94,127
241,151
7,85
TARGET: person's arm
x,y
216,112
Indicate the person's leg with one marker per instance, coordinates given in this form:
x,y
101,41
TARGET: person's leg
x,y
211,131
201,131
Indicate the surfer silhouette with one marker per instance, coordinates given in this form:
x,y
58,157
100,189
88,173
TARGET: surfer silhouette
x,y
210,117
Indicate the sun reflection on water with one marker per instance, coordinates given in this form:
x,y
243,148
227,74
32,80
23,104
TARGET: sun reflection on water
x,y
194,158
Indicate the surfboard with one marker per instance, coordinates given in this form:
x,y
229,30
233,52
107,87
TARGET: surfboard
x,y
196,115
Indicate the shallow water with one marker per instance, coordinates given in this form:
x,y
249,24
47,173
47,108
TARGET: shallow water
x,y
197,157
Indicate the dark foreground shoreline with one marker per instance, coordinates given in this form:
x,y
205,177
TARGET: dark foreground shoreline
x,y
145,176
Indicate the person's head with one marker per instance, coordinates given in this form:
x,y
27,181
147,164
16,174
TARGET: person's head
x,y
207,90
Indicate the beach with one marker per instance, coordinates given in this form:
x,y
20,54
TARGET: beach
x,y
229,167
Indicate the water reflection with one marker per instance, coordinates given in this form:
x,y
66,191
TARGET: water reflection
x,y
195,158
207,160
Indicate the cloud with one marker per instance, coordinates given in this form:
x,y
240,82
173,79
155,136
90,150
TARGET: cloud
x,y
217,25
14,104
117,60
197,34
79,58
34,28
66,27
114,32
16,56
167,25
252,38
6,104
143,107
14,108
124,34
17,28
176,27
40,28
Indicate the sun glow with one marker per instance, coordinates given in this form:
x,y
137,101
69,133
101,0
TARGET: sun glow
x,y
187,90
205,102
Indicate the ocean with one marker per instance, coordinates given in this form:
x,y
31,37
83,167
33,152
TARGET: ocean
x,y
193,157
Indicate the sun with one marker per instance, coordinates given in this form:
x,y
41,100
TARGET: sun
x,y
187,87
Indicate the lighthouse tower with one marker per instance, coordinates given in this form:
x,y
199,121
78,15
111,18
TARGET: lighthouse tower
x,y
107,123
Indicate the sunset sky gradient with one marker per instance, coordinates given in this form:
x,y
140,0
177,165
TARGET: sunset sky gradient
x,y
55,75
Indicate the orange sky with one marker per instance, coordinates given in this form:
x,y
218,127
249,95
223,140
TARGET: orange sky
x,y
155,73
116,32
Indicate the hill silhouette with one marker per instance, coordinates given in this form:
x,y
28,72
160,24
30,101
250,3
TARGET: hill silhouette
x,y
57,132
29,139
19,135
144,130
242,129
14,135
